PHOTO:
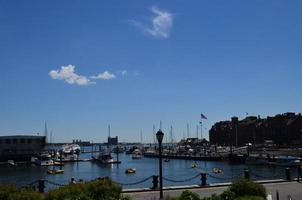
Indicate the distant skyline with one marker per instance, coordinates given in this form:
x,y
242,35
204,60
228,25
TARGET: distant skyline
x,y
81,65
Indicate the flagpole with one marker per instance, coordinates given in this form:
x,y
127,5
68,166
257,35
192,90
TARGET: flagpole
x,y
201,128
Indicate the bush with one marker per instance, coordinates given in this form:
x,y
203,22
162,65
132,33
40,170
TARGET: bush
x,y
188,195
10,192
228,195
244,187
96,190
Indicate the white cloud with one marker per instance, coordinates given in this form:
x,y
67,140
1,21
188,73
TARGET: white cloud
x,y
106,75
67,73
161,26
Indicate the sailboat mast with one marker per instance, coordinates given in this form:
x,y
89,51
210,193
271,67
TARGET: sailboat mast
x,y
154,136
188,131
45,132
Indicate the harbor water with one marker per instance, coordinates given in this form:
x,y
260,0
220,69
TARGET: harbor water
x,y
175,172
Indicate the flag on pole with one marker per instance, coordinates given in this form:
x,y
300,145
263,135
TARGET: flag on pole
x,y
203,116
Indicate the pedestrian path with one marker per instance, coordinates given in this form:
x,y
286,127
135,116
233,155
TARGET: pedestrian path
x,y
284,189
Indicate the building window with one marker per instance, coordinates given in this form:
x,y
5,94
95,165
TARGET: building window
x,y
29,141
7,141
0,141
15,141
22,141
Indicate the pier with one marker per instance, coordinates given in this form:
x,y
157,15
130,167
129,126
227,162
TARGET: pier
x,y
188,157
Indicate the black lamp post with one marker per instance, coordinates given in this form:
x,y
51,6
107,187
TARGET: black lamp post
x,y
160,136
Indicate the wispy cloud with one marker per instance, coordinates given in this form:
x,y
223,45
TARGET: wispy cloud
x,y
106,75
67,73
161,23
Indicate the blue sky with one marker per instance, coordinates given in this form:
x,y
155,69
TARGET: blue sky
x,y
81,65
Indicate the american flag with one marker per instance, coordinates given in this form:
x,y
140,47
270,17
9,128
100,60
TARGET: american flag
x,y
203,116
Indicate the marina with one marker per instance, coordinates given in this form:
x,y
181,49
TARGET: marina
x,y
176,171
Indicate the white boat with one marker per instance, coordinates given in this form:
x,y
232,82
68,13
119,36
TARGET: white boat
x,y
105,158
136,154
68,152
44,159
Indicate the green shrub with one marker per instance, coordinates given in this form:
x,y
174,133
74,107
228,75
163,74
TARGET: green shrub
x,y
10,192
244,187
228,195
188,195
96,190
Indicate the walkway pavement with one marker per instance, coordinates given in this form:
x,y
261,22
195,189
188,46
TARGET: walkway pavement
x,y
293,189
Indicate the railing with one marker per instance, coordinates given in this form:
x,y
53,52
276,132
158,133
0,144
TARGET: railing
x,y
246,173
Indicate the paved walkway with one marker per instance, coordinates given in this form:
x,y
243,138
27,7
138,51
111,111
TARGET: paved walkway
x,y
293,189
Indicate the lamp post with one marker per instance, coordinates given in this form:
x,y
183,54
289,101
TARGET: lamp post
x,y
160,136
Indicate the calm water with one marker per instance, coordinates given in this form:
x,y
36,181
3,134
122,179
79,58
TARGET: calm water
x,y
175,169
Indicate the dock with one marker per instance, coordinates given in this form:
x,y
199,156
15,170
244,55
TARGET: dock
x,y
187,157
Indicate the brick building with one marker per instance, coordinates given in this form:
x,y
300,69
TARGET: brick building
x,y
283,129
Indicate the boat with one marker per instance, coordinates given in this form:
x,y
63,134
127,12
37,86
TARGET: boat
x,y
44,159
217,170
55,171
68,152
58,164
136,154
194,165
11,163
166,160
286,161
130,171
105,158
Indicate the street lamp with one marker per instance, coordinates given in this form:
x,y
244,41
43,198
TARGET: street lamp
x,y
159,137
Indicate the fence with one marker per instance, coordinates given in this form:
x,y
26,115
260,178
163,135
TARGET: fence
x,y
40,185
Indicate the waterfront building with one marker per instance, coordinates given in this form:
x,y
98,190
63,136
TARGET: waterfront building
x,y
283,130
20,147
112,140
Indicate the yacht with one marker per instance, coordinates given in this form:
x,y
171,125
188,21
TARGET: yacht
x,y
105,158
136,154
44,159
68,152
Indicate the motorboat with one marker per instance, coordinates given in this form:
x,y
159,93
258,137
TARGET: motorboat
x,y
194,165
68,152
217,170
130,171
44,159
136,154
55,171
105,158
